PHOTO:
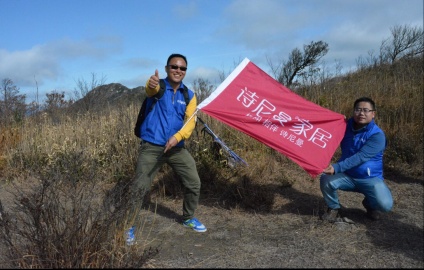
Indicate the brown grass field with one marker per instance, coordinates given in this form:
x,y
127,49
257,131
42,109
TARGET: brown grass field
x,y
64,176
283,232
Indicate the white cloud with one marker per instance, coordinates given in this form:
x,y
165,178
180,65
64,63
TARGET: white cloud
x,y
142,63
22,67
45,62
215,36
210,74
185,11
351,28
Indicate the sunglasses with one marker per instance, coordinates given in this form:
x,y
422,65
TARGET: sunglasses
x,y
176,67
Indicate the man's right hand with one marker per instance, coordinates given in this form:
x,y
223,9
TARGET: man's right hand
x,y
154,80
329,170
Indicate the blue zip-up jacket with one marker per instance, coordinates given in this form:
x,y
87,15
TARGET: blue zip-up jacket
x,y
167,116
362,151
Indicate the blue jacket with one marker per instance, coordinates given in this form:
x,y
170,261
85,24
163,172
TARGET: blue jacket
x,y
167,116
362,151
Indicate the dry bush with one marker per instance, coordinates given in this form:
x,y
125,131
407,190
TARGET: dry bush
x,y
64,213
103,138
81,164
9,138
64,216
61,218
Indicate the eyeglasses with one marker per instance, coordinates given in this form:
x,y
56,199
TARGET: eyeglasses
x,y
176,67
365,110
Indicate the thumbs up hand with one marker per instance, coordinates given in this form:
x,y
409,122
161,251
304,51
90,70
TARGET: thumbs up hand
x,y
154,80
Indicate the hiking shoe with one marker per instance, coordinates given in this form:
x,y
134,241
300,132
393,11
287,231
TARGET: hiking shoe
x,y
195,225
331,215
130,237
371,214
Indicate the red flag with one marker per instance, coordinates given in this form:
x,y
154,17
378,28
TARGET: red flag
x,y
253,102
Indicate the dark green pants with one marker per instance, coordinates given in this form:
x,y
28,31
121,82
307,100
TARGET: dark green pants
x,y
151,158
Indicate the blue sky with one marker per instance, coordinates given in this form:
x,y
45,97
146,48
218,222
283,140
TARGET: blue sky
x,y
54,43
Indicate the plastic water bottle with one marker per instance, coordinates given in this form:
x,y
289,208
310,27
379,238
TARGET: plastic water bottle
x,y
130,236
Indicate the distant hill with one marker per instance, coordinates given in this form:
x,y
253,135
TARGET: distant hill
x,y
109,95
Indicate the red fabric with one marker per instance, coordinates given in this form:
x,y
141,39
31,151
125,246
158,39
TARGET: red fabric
x,y
251,101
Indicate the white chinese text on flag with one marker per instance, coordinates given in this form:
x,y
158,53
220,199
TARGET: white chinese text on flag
x,y
251,101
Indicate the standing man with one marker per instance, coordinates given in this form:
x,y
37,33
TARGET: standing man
x,y
360,168
162,136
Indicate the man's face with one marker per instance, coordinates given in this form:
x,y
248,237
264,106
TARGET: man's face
x,y
363,113
174,70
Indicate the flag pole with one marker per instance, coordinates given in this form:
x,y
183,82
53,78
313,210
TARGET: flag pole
x,y
233,155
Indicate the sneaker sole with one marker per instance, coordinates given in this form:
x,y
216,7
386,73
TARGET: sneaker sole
x,y
196,230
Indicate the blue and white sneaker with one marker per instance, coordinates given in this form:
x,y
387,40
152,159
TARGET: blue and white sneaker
x,y
195,225
130,237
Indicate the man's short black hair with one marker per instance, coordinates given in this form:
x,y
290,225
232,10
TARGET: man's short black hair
x,y
364,99
176,55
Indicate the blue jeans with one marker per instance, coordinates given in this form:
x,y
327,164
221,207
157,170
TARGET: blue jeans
x,y
377,193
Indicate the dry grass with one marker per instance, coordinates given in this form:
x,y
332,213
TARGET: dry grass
x,y
398,92
79,166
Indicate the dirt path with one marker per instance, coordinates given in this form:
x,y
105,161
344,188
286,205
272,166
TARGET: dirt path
x,y
290,235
